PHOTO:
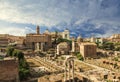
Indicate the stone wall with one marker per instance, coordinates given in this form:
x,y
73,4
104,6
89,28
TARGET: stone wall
x,y
9,70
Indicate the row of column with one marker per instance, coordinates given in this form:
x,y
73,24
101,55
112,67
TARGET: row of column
x,y
39,46
70,65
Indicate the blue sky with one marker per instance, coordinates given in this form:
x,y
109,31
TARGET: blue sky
x,y
82,17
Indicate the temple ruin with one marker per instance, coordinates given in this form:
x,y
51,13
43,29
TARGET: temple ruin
x,y
38,41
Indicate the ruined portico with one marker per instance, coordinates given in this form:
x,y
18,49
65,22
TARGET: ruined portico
x,y
69,69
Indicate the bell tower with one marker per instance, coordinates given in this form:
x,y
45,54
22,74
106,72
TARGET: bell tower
x,y
38,30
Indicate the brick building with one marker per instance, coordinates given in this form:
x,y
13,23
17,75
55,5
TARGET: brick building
x,y
9,71
88,50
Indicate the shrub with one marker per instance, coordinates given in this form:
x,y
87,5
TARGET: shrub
x,y
79,56
10,51
23,65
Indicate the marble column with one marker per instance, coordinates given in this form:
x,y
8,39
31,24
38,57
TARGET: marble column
x,y
42,46
37,46
73,70
57,50
73,46
69,63
65,71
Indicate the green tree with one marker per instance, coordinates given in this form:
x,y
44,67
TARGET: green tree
x,y
23,73
23,65
97,42
20,55
63,40
108,46
117,48
10,51
15,53
79,56
115,58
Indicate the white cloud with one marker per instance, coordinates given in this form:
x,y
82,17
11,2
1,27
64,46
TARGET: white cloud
x,y
37,13
51,13
16,31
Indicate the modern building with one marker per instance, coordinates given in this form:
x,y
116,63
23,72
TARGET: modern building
x,y
37,41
